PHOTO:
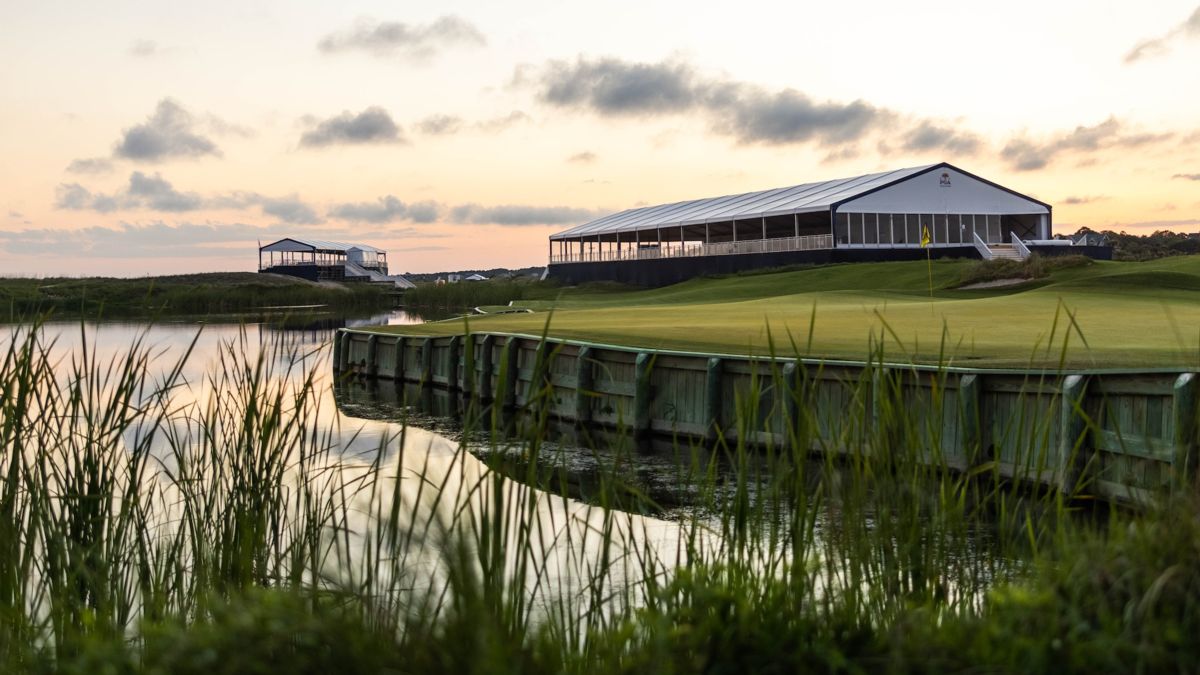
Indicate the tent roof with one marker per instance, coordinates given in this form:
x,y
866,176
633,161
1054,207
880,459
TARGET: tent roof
x,y
322,245
804,198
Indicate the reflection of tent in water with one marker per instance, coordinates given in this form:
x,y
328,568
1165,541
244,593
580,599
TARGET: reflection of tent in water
x,y
321,260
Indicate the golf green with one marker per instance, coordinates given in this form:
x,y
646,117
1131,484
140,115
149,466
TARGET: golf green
x,y
1103,315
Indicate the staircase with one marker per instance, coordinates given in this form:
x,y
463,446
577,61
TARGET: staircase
x,y
1007,251
1014,251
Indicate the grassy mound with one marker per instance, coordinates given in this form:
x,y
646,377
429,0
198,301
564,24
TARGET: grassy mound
x,y
1100,309
188,294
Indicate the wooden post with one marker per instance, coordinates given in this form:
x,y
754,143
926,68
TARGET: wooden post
x,y
790,394
398,370
641,393
1184,413
373,356
452,362
337,347
345,355
970,425
712,396
584,384
1073,453
485,368
509,370
427,362
467,378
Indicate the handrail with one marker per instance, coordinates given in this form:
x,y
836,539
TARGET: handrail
x,y
780,245
1020,246
982,247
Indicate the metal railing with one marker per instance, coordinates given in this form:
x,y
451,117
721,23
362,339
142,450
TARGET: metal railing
x,y
982,247
1022,249
815,242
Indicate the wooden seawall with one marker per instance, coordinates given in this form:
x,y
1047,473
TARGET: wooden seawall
x,y
1114,434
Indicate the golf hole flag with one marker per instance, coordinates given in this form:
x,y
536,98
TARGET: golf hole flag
x,y
924,236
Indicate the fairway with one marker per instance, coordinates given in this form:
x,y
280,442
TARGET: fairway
x,y
1104,315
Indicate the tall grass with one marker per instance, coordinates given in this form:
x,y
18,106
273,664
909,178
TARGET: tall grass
x,y
468,294
160,523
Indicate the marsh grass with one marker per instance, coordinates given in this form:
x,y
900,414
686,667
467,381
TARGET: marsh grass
x,y
152,522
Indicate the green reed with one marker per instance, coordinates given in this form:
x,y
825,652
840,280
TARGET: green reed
x,y
152,522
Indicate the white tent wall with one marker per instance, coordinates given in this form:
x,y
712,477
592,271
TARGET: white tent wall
x,y
948,191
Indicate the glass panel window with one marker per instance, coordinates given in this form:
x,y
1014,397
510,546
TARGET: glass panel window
x,y
968,229
856,230
913,228
993,228
870,228
939,228
885,228
842,228
954,228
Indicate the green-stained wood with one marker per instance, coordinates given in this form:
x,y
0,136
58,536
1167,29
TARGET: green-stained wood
x,y
1185,413
427,362
469,375
712,396
372,369
452,361
584,385
642,393
1073,450
509,376
487,346
399,370
970,423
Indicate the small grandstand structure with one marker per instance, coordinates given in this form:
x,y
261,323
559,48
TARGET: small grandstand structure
x,y
321,260
873,217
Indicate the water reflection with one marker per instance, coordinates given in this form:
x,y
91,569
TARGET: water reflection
x,y
368,476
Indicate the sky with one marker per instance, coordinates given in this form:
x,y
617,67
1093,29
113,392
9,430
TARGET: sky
x,y
156,137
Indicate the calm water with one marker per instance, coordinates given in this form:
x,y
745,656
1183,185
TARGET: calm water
x,y
364,427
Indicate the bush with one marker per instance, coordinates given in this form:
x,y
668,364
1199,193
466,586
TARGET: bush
x,y
1033,267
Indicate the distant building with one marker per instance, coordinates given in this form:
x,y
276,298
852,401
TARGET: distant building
x,y
875,217
476,277
320,260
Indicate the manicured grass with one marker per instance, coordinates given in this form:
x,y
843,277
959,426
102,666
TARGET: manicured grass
x,y
192,294
1109,315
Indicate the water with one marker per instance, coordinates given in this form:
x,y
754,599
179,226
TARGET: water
x,y
369,438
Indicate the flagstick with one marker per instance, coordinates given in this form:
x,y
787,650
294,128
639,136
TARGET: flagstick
x,y
929,267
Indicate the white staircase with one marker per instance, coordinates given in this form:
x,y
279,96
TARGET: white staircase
x,y
1017,250
1004,251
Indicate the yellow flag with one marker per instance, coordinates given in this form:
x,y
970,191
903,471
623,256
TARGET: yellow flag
x,y
924,236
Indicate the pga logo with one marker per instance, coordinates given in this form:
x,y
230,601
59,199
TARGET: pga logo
x,y
944,180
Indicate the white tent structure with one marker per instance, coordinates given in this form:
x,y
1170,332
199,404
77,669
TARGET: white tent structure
x,y
323,260
879,211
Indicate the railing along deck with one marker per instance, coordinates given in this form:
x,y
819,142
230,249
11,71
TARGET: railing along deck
x,y
780,245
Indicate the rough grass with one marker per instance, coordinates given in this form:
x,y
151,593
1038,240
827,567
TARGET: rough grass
x,y
1033,267
189,294
242,542
1130,314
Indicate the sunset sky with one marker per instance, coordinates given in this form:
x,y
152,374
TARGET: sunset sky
x,y
161,137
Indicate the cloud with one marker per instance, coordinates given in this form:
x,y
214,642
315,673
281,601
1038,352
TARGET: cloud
x,y
439,125
502,123
516,215
154,239
1158,224
1160,45
144,48
445,125
1025,154
155,193
751,114
927,136
612,87
1087,199
388,209
1187,176
409,41
167,134
371,126
90,165
582,158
